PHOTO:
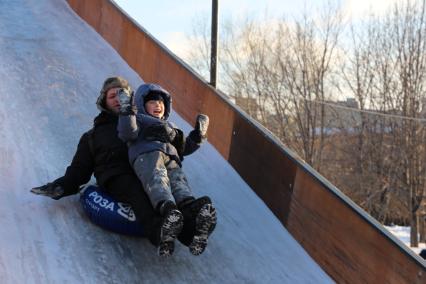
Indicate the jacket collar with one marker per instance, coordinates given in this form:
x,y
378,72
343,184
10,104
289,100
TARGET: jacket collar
x,y
105,118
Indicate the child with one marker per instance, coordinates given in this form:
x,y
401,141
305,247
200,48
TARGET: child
x,y
156,149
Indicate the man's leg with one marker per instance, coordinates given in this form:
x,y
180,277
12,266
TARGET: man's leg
x,y
128,189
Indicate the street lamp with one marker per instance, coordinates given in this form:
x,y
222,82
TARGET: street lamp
x,y
214,36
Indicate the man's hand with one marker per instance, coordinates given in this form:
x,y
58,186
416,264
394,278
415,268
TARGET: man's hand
x,y
125,98
52,190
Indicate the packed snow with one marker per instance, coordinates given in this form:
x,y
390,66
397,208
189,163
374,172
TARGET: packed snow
x,y
403,234
52,65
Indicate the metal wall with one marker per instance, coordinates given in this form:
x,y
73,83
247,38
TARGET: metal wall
x,y
346,242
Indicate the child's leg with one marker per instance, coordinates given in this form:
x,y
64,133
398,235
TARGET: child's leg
x,y
200,221
151,170
178,182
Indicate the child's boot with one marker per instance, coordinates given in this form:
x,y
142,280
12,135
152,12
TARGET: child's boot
x,y
203,216
171,227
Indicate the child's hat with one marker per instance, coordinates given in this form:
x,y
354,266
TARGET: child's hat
x,y
153,96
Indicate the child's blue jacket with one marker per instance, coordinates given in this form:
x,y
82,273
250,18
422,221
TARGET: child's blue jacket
x,y
131,127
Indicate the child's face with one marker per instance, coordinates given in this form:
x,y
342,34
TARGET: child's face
x,y
155,108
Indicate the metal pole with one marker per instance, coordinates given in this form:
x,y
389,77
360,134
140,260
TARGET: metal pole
x,y
214,36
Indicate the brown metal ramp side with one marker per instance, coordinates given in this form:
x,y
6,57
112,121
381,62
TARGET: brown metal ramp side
x,y
348,244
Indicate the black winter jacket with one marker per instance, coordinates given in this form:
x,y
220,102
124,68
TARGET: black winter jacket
x,y
109,157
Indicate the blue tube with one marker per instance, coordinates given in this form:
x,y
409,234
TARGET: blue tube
x,y
110,214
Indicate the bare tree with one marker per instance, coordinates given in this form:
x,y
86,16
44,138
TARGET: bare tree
x,y
199,53
387,71
276,71
286,73
306,58
410,34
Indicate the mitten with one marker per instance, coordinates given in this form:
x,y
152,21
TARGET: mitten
x,y
160,132
52,190
126,99
199,134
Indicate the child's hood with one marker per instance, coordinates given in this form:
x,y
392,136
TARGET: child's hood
x,y
144,90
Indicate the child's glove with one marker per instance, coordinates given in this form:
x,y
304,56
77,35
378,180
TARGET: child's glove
x,y
52,190
126,99
202,124
199,134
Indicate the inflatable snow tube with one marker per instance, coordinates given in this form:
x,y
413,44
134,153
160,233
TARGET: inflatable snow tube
x,y
108,213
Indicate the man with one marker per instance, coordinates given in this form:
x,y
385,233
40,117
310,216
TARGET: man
x,y
102,153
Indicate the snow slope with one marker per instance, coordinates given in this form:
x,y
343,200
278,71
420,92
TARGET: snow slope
x,y
51,68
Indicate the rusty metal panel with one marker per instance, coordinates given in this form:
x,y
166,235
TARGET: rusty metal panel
x,y
321,222
74,4
111,25
91,18
147,64
264,166
348,244
222,122
130,47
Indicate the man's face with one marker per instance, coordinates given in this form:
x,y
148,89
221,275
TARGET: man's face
x,y
111,100
155,108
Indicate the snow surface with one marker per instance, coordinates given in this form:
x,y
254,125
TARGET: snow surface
x,y
52,65
403,234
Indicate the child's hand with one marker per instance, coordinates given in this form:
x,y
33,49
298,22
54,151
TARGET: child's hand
x,y
199,134
202,124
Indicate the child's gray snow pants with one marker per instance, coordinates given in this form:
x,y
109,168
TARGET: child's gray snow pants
x,y
162,178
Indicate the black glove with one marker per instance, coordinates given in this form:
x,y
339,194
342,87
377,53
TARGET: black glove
x,y
127,103
51,189
199,134
160,132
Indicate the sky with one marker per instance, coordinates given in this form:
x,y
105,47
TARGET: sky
x,y
170,21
